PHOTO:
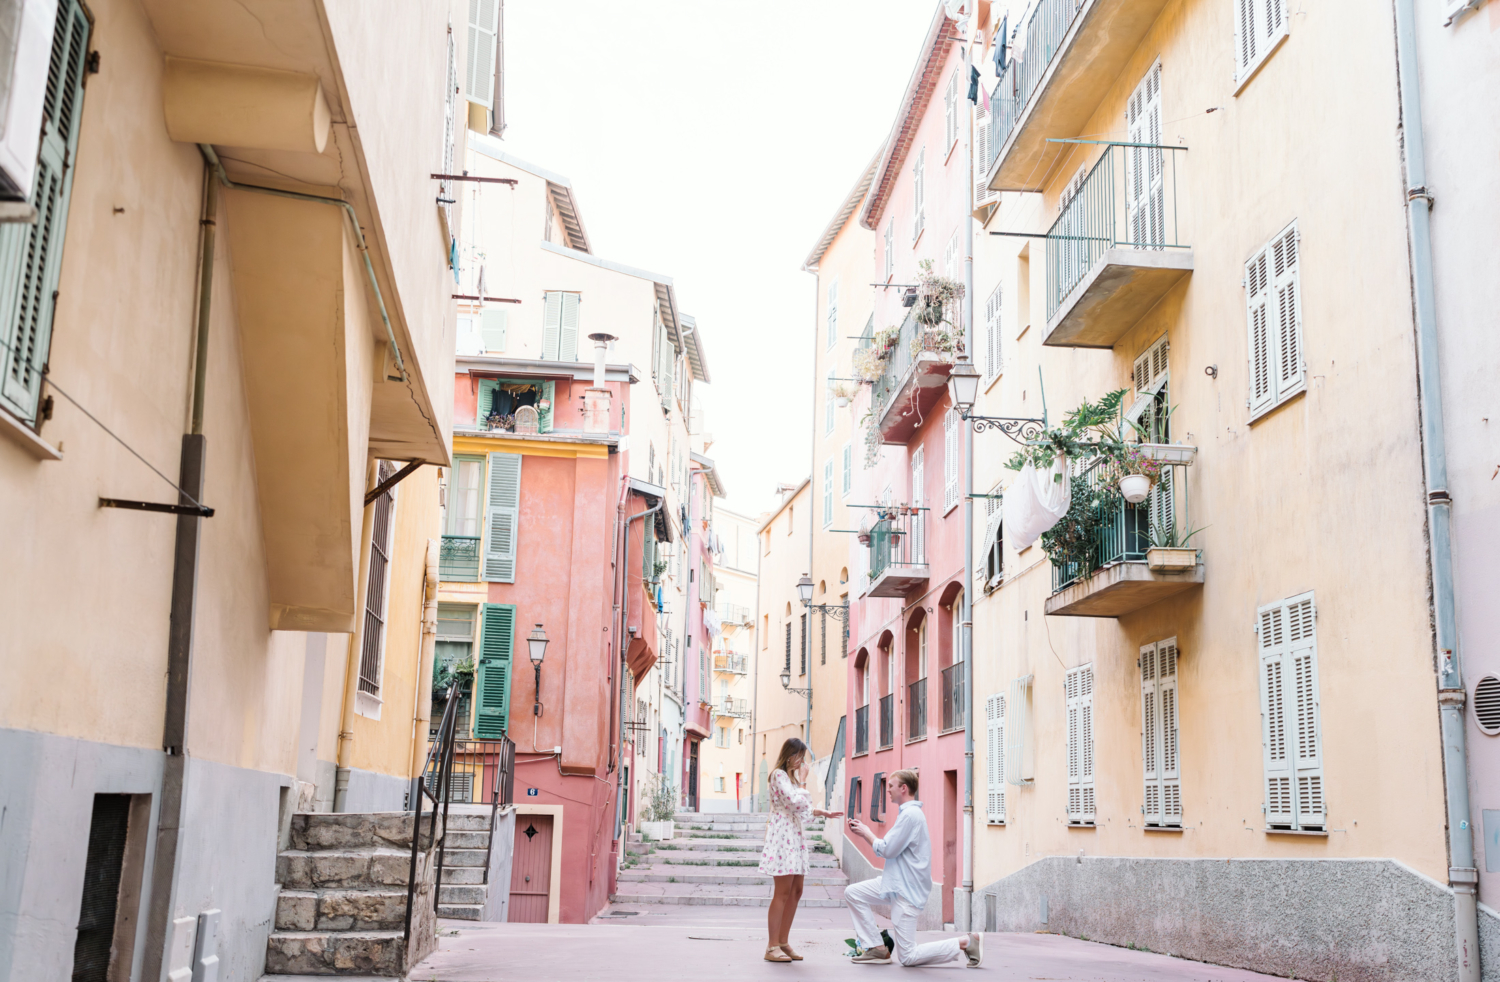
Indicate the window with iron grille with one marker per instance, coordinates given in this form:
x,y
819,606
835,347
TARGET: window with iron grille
x,y
803,640
788,666
377,596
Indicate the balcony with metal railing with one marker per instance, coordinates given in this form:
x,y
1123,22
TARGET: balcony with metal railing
x,y
731,664
861,730
916,710
1116,247
898,552
951,684
736,614
1125,566
887,721
914,381
1065,59
733,706
458,558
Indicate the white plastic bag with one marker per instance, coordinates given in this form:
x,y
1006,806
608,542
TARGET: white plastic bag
x,y
1035,502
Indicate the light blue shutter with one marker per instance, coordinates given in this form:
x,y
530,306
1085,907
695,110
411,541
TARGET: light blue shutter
x,y
828,492
31,255
504,518
492,330
493,673
552,304
568,332
848,467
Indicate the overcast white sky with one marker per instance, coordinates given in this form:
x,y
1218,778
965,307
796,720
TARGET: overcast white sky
x,y
712,142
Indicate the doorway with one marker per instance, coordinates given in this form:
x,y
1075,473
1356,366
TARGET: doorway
x,y
950,842
531,870
692,781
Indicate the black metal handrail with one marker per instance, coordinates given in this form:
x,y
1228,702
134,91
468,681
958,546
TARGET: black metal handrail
x,y
441,754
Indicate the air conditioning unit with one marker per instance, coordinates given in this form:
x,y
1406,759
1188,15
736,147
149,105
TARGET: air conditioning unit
x,y
25,46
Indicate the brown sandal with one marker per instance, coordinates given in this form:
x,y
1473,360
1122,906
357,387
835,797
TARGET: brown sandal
x,y
775,954
790,953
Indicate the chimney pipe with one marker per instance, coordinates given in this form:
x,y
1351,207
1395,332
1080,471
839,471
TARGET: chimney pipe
x,y
601,341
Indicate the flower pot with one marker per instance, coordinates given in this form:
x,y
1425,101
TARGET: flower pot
x,y
841,401
1171,560
656,831
864,538
1135,487
1167,453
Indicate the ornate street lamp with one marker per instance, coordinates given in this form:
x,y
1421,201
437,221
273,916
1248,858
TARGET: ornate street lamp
x,y
537,642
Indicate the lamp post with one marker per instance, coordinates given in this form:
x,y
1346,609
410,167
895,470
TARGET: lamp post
x,y
963,389
536,641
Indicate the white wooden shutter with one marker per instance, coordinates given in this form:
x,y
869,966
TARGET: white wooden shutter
x,y
982,193
828,492
567,349
918,498
994,713
552,313
848,468
828,402
952,444
504,518
1145,202
833,313
890,249
1287,315
919,203
1274,689
479,69
1017,767
1244,36
950,257
1257,295
1150,737
1159,740
1075,787
492,330
1302,658
1258,25
1079,687
992,349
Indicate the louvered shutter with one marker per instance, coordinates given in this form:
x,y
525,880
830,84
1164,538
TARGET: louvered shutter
x,y
492,330
1086,741
1244,36
994,713
1159,743
567,349
833,313
1257,296
1287,314
951,447
828,492
484,35
1145,202
1150,737
982,193
919,194
493,673
31,255
1302,659
1075,787
552,312
1279,807
504,518
992,349
918,499
848,468
544,416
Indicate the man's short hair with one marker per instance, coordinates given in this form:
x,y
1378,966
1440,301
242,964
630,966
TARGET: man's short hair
x,y
906,777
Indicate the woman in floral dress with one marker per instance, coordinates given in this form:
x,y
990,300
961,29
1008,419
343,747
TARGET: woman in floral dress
x,y
784,857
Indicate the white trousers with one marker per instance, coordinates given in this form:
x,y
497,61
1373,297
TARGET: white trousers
x,y
862,896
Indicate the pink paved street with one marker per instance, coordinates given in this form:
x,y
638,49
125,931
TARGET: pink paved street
x,y
669,943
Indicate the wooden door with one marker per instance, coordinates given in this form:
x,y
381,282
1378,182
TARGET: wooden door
x,y
950,841
531,870
693,776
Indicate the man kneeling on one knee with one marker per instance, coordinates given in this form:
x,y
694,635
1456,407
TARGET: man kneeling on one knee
x,y
904,884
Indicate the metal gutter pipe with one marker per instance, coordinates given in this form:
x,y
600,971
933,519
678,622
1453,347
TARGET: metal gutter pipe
x,y
964,913
426,652
180,624
1462,874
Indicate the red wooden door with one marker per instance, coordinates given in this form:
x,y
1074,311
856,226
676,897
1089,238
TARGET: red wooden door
x,y
531,870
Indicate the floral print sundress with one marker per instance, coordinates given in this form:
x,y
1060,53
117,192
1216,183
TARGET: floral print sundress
x,y
785,852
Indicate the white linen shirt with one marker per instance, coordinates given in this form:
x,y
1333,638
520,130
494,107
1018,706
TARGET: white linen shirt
x,y
907,851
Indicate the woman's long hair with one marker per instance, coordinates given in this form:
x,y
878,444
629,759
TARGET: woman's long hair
x,y
790,750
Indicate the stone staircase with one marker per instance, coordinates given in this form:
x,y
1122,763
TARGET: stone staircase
x,y
712,859
342,906
464,890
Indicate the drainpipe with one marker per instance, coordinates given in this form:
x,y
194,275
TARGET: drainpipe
x,y
180,625
964,912
423,715
1462,874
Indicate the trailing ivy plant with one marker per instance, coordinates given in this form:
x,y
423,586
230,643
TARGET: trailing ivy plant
x,y
937,298
1075,538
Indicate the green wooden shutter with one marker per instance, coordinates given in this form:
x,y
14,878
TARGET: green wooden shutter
x,y
551,324
486,400
544,416
493,672
504,509
568,327
31,255
492,329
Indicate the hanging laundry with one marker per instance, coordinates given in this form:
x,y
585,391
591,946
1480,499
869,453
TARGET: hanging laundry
x,y
1036,501
973,84
1001,44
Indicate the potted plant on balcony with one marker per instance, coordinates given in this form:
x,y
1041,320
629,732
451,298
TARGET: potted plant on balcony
x,y
1169,552
656,814
843,392
497,420
1139,473
936,297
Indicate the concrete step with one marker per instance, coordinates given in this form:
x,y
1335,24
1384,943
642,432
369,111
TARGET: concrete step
x,y
733,859
463,857
348,870
352,831
703,894
728,875
304,978
341,910
461,912
462,874
326,953
468,821
466,840
458,893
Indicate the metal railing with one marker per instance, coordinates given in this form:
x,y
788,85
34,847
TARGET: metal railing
x,y
954,703
913,340
900,540
862,730
733,706
916,710
1127,201
439,762
732,664
1043,37
1123,533
887,720
458,558
736,614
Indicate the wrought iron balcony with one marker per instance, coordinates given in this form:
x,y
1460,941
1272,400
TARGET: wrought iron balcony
x,y
733,706
736,614
916,710
898,552
1070,54
887,721
1116,247
862,730
458,558
913,383
1128,572
954,703
731,664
